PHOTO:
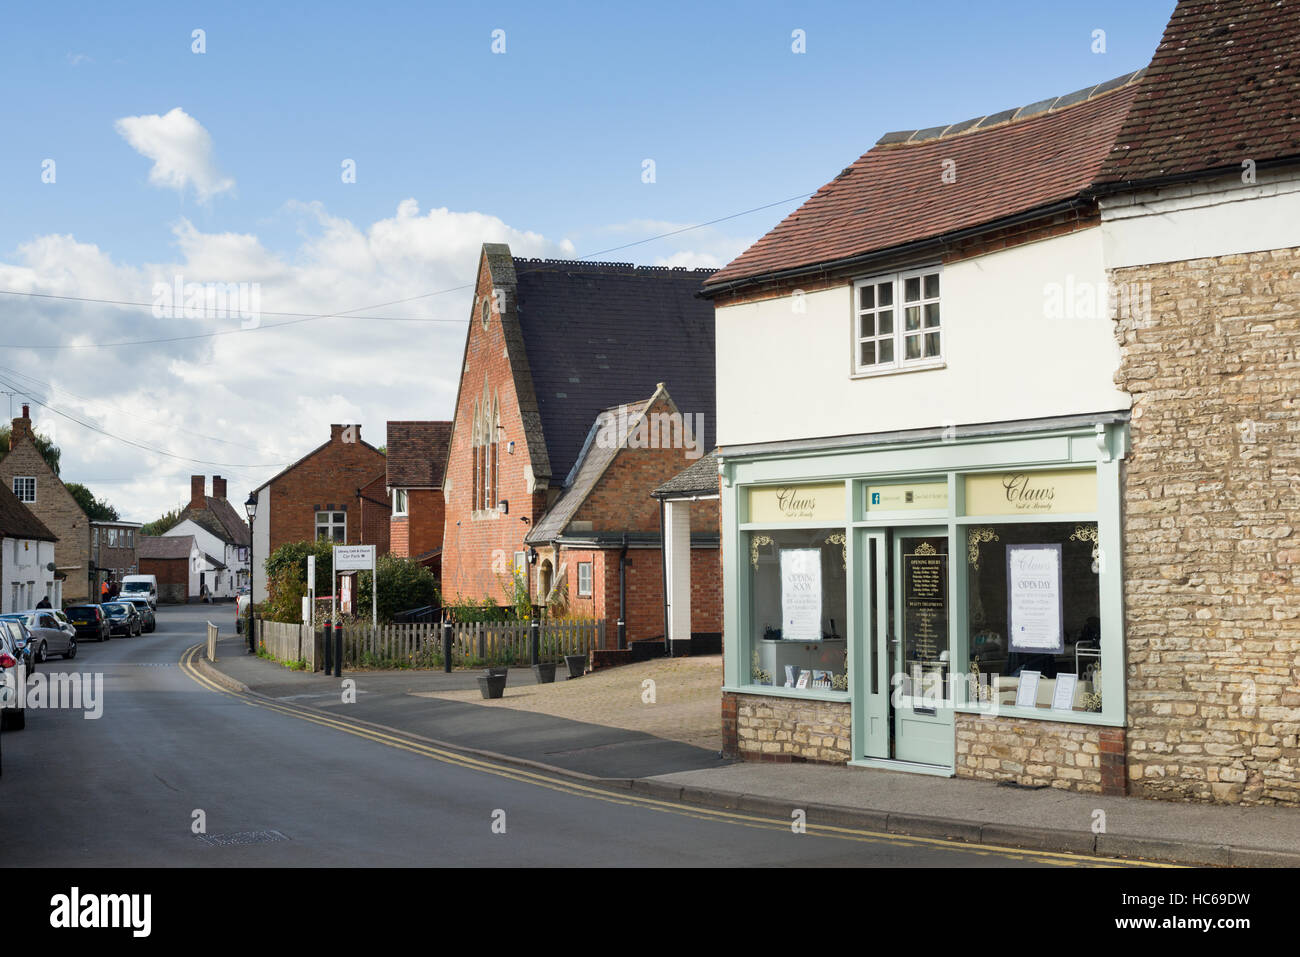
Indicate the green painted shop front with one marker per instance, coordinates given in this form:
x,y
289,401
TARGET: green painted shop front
x,y
930,582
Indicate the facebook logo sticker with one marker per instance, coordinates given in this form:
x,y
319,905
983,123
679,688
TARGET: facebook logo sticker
x,y
875,498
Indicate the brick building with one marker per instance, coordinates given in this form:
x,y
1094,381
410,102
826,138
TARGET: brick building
x,y
29,477
114,549
417,455
552,345
176,561
330,493
1036,517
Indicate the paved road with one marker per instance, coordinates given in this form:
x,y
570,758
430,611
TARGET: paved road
x,y
124,789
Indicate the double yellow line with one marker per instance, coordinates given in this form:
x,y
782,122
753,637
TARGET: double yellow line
x,y
632,799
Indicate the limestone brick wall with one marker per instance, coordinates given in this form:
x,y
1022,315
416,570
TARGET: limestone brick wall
x,y
763,728
1072,757
1212,529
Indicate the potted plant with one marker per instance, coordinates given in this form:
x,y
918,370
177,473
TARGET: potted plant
x,y
544,673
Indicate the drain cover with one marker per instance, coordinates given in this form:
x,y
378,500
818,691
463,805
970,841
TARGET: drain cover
x,y
241,838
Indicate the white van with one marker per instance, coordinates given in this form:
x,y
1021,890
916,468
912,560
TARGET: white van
x,y
140,586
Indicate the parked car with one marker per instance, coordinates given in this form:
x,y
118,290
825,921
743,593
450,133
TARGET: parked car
x,y
123,618
13,683
51,633
21,638
140,586
147,618
90,621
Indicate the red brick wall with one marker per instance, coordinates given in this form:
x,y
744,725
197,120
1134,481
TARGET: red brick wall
x,y
426,516
329,477
478,549
706,589
374,516
168,571
399,537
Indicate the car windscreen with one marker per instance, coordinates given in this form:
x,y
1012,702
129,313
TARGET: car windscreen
x,y
117,609
136,586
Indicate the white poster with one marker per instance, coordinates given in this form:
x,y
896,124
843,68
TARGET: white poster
x,y
801,594
1034,610
1063,694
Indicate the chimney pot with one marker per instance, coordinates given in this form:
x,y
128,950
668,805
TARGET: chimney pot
x,y
218,487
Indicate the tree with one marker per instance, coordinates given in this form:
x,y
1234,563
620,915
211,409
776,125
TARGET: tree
x,y
164,522
96,509
403,584
49,451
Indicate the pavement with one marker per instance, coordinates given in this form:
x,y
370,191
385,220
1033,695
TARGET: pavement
x,y
586,730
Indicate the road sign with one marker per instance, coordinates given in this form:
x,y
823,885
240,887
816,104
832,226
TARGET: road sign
x,y
354,557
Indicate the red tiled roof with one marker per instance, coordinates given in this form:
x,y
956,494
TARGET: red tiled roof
x,y
1223,87
417,453
895,193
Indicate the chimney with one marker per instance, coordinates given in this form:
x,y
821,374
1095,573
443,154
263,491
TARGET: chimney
x,y
345,433
197,498
22,428
218,487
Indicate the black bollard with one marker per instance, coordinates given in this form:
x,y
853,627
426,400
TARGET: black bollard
x,y
329,646
534,640
446,646
622,635
338,651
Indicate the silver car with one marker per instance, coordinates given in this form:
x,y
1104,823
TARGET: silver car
x,y
13,678
52,633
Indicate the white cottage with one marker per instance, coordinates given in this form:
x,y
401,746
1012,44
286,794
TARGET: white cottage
x,y
27,569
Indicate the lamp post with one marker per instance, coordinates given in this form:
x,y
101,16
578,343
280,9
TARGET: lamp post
x,y
250,507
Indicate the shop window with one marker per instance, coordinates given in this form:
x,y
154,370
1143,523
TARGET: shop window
x,y
1035,620
797,609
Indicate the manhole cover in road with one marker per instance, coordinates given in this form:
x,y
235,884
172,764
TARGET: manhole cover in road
x,y
241,838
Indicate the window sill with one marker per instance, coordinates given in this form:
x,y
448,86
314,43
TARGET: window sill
x,y
901,370
773,691
1044,714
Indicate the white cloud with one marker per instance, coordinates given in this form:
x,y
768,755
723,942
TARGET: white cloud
x,y
256,400
181,150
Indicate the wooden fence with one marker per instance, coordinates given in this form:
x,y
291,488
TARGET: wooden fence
x,y
288,643
474,644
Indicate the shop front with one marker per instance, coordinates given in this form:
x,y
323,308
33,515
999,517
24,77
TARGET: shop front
x,y
935,602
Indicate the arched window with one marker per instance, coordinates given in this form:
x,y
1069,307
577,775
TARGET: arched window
x,y
483,439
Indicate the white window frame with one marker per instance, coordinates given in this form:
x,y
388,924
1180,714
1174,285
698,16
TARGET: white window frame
x,y
899,334
401,502
330,524
19,494
112,538
589,566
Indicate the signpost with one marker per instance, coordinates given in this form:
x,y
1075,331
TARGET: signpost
x,y
359,558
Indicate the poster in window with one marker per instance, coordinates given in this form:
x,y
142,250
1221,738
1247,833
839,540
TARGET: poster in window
x,y
801,594
1035,614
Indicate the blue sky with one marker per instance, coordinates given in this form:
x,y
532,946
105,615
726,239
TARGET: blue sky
x,y
541,147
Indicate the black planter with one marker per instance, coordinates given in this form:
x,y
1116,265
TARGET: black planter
x,y
492,684
577,665
544,674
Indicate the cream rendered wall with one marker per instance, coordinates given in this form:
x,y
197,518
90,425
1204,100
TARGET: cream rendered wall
x,y
787,375
1199,220
261,544
24,564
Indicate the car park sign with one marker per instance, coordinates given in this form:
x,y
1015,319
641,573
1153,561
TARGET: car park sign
x,y
354,557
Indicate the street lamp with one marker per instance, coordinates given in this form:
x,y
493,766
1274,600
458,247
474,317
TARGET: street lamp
x,y
250,507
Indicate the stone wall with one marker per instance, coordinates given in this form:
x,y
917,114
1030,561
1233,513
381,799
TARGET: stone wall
x,y
770,728
1073,757
1211,521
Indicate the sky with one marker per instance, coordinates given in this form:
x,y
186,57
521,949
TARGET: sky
x,y
327,158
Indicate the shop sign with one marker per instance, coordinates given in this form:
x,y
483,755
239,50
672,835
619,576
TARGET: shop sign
x,y
773,505
1056,492
901,498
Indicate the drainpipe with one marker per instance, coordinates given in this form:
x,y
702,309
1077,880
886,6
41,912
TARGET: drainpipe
x,y
622,596
663,563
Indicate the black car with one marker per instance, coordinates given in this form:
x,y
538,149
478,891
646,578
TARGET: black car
x,y
123,619
90,621
148,620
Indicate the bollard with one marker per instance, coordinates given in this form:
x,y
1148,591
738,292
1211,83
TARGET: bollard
x,y
446,646
622,635
329,646
338,651
534,640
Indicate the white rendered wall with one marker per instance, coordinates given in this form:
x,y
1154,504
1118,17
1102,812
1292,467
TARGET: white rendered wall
x,y
787,375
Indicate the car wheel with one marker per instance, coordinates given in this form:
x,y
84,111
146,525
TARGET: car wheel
x,y
15,719
41,655
72,650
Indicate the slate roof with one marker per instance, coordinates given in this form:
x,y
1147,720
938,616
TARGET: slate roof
x,y
18,521
596,334
701,478
165,547
1006,163
1223,87
417,454
595,458
219,518
218,566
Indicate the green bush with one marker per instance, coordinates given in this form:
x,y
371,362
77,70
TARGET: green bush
x,y
403,584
